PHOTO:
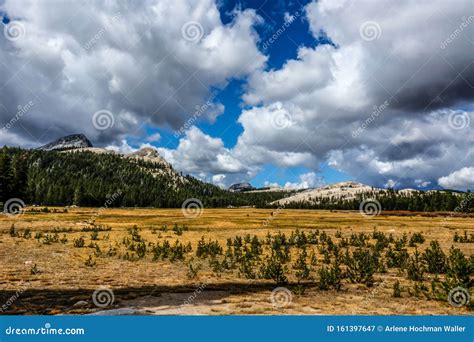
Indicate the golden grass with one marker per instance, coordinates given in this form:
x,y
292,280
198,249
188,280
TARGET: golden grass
x,y
159,286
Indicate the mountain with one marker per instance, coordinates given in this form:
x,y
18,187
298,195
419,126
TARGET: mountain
x,y
343,191
71,171
68,142
89,177
150,155
241,187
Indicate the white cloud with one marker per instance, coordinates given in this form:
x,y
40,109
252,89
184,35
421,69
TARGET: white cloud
x,y
154,137
126,57
461,179
330,91
304,113
219,180
306,180
123,148
200,153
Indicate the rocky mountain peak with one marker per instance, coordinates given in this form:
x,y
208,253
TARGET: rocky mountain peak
x,y
239,187
68,142
148,154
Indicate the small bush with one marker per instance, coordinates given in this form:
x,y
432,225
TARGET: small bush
x,y
272,268
34,270
435,258
415,267
397,290
79,243
416,238
90,262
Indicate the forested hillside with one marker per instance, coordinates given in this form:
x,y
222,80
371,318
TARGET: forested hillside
x,y
396,200
90,179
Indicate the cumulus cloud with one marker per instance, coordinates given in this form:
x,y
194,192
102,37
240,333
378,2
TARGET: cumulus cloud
x,y
388,107
389,101
219,180
154,137
306,180
138,60
199,153
460,179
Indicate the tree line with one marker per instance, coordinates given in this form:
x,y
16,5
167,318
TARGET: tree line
x,y
396,200
91,179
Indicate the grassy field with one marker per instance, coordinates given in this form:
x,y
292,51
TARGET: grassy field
x,y
45,270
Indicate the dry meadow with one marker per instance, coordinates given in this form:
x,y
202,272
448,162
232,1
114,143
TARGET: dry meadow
x,y
45,270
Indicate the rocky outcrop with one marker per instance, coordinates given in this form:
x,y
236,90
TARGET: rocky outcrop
x,y
68,142
240,187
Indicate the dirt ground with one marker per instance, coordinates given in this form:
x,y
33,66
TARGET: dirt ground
x,y
54,278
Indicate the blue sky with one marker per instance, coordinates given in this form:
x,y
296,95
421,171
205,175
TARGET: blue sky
x,y
295,93
279,52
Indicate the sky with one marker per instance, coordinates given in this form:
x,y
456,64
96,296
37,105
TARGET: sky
x,y
293,94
